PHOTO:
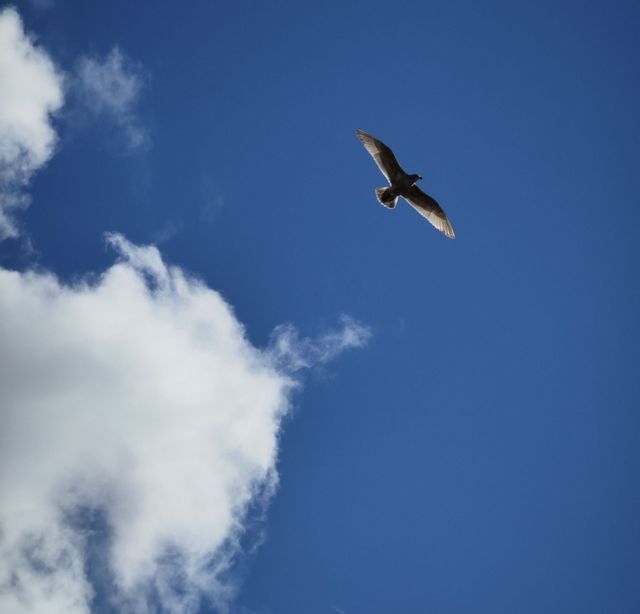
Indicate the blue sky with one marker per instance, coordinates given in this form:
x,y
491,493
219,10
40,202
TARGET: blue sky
x,y
479,451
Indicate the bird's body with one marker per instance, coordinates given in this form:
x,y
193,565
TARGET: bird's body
x,y
399,187
403,184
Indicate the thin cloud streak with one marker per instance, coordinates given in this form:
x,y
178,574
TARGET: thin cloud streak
x,y
292,352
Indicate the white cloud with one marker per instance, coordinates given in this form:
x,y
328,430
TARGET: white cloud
x,y
138,400
31,90
110,87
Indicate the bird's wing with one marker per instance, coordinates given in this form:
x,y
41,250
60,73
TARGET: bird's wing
x,y
383,156
427,206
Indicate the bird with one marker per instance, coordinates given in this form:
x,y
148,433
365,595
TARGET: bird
x,y
403,184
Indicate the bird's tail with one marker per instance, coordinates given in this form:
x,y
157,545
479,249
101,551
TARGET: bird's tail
x,y
386,197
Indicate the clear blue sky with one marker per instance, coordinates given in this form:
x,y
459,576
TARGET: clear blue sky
x,y
481,454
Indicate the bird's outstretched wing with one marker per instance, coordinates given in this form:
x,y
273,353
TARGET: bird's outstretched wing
x,y
427,206
383,156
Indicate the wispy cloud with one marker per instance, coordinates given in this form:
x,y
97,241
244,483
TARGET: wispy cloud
x,y
42,4
139,430
31,91
110,87
291,352
166,232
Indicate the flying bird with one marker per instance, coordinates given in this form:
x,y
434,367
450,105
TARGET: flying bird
x,y
402,184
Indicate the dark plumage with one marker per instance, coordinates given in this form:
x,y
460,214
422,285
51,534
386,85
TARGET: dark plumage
x,y
401,184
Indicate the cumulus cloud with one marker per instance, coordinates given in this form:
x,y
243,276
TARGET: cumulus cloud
x,y
110,87
139,430
31,92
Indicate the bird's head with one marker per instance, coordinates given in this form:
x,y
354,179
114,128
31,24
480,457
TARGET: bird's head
x,y
415,178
